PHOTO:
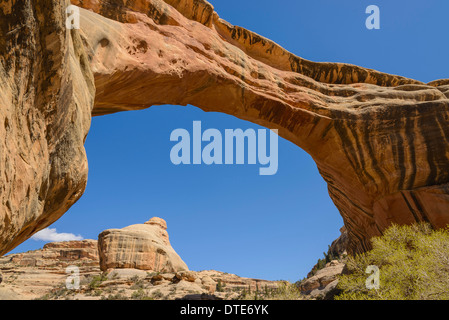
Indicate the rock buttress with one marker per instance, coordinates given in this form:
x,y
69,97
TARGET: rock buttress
x,y
46,97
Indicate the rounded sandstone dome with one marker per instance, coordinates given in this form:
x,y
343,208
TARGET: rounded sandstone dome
x,y
158,221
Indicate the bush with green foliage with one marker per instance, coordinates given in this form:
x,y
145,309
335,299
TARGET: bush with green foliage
x,y
220,286
413,262
97,280
140,294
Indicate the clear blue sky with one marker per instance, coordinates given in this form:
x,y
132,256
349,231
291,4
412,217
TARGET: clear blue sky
x,y
229,218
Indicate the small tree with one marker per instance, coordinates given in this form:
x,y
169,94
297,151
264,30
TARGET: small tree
x,y
219,286
413,262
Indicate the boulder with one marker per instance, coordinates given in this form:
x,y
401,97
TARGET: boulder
x,y
186,275
209,284
322,277
325,293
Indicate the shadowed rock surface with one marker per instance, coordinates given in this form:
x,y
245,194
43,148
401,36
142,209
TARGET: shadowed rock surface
x,y
380,141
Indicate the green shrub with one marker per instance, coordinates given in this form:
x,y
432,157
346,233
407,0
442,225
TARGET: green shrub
x,y
413,262
140,294
157,294
97,280
220,286
138,283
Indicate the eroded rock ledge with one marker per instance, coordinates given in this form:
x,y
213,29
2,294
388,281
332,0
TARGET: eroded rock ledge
x,y
380,141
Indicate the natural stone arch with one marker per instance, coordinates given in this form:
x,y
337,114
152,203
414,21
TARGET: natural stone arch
x,y
379,140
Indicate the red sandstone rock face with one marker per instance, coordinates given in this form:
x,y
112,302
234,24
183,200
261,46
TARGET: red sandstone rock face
x,y
380,141
46,96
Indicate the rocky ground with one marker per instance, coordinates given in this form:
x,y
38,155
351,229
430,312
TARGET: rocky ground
x,y
41,274
93,270
29,283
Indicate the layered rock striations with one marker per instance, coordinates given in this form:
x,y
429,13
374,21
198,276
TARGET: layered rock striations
x,y
380,141
58,254
136,262
33,274
139,246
